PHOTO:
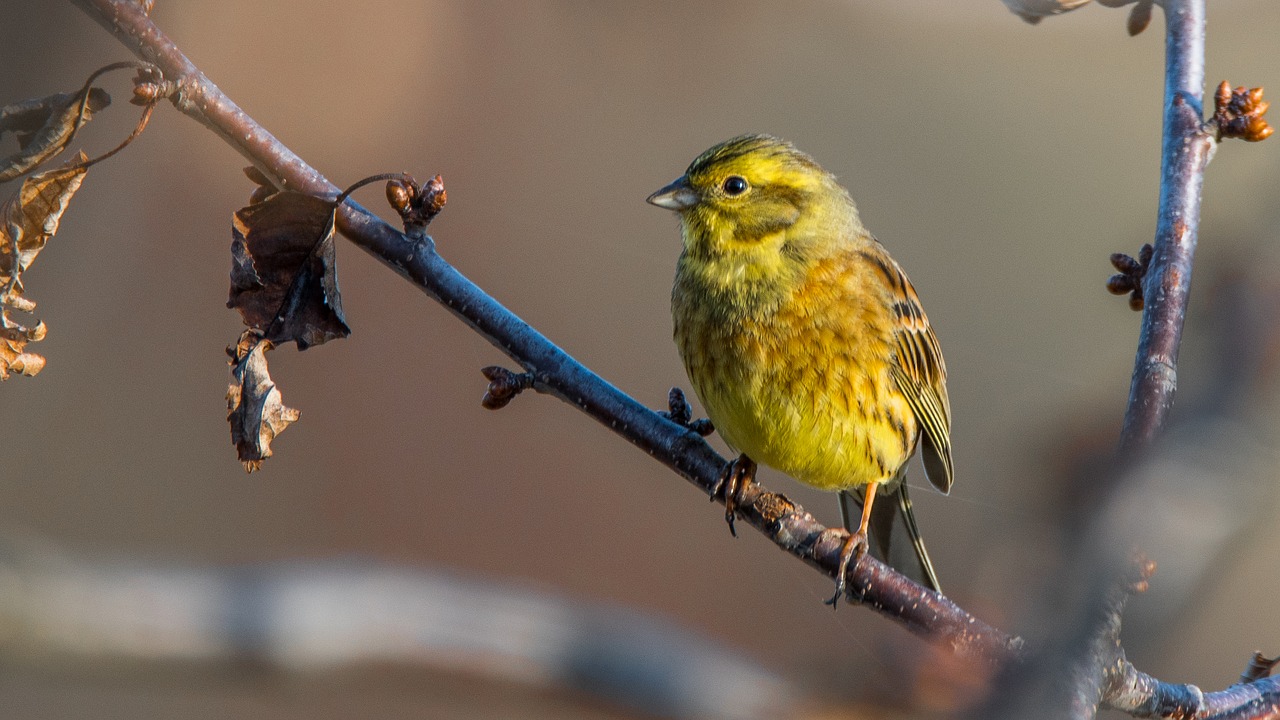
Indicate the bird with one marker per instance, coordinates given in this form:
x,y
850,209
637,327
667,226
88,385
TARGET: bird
x,y
806,343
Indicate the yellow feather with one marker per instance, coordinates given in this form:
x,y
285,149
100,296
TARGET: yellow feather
x,y
803,339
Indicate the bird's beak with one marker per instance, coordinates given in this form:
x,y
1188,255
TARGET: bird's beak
x,y
677,196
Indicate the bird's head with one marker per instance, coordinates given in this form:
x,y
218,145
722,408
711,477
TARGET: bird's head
x,y
750,192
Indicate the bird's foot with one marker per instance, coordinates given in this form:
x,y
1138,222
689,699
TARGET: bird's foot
x,y
737,475
855,546
679,412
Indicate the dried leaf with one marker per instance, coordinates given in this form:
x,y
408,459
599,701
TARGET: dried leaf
x,y
44,127
13,358
27,220
283,270
255,407
31,216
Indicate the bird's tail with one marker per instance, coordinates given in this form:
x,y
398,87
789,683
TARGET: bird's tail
x,y
895,543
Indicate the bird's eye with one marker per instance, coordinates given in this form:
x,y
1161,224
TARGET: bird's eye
x,y
735,185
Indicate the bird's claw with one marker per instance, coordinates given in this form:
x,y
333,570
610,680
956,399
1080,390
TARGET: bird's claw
x,y
855,546
736,476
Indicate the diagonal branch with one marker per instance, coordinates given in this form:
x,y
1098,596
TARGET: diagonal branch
x,y
553,371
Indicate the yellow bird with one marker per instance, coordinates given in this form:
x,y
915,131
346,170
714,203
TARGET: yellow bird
x,y
805,341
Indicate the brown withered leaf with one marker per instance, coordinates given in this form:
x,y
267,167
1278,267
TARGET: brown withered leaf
x,y
31,216
27,220
284,276
13,357
255,407
44,127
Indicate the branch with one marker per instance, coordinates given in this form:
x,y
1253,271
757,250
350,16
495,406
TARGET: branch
x,y
1185,153
929,615
551,370
345,615
1103,675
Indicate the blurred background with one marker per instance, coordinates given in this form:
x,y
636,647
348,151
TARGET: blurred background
x,y
1001,163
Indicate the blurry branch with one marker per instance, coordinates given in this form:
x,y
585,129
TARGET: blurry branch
x,y
1197,490
336,616
1084,665
548,369
1160,281
1102,674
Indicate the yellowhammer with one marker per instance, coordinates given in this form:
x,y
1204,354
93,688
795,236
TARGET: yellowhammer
x,y
804,340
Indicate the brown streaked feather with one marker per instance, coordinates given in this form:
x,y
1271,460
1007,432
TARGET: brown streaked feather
x,y
921,376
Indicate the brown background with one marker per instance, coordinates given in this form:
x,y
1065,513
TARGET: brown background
x,y
1000,163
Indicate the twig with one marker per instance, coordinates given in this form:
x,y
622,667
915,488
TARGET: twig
x,y
1185,153
1141,695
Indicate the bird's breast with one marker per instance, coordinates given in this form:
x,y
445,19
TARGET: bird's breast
x,y
801,384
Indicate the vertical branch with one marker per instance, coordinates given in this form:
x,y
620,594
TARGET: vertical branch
x,y
1185,153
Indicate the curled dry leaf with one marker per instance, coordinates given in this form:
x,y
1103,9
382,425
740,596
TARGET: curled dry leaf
x,y
44,127
13,357
255,407
32,215
27,220
283,270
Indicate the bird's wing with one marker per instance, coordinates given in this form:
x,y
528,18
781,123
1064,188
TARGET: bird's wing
x,y
921,375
